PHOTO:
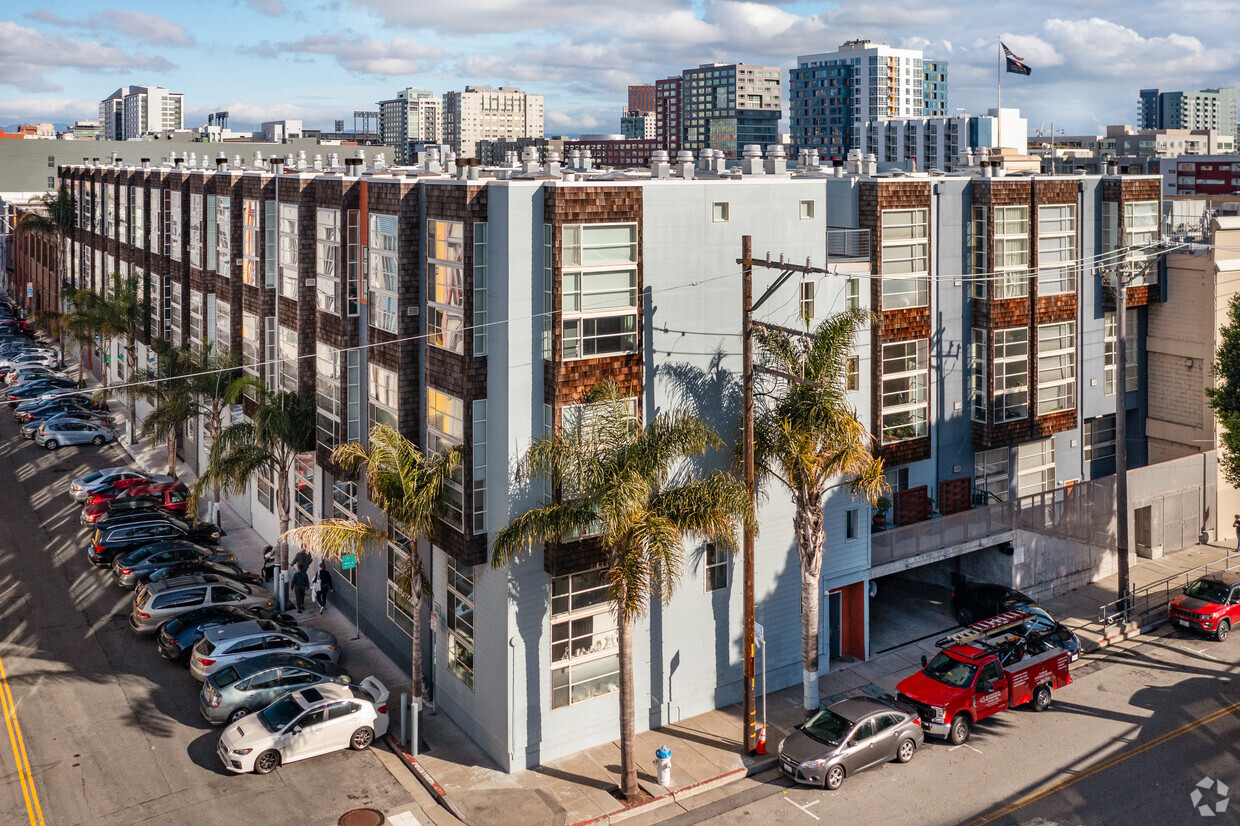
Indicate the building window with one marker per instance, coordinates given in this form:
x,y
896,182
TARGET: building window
x,y
287,367
250,348
548,307
1109,363
600,290
352,395
384,408
1011,374
303,489
445,284
905,260
852,293
196,327
990,473
175,299
122,211
460,621
585,660
271,353
720,211
715,561
1141,224
399,609
223,236
343,505
807,210
288,251
1110,226
977,375
1056,249
479,448
326,260
173,243
266,489
977,254
445,428
155,294
807,300
905,400
1035,467
327,393
156,223
135,211
195,230
1056,367
1099,438
353,266
270,243
1011,251
852,374
208,242
223,326
480,289
852,523
384,249
249,242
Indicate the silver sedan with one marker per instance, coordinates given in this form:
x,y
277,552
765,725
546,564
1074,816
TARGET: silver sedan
x,y
52,435
849,737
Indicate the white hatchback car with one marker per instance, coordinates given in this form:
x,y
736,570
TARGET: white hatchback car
x,y
315,720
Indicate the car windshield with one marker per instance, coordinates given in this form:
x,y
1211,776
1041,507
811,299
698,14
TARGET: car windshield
x,y
827,727
950,671
226,676
279,714
1210,590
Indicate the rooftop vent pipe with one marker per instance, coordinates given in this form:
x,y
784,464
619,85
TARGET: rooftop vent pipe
x,y
751,160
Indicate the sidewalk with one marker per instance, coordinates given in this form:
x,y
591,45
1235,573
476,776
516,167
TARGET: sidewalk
x,y
706,749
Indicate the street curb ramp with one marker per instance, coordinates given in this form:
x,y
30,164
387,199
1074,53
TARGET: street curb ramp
x,y
424,777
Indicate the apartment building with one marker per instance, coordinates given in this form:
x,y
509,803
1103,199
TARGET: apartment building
x,y
491,301
1201,175
641,98
481,113
942,142
1207,109
411,119
133,111
833,95
639,124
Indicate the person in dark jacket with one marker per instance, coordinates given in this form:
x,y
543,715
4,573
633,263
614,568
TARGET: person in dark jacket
x,y
323,579
300,584
302,561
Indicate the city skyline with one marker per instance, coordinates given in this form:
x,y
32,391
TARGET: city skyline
x,y
319,62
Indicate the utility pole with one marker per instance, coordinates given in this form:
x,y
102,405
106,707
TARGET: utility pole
x,y
748,306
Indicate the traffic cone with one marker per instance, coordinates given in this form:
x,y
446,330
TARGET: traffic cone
x,y
761,741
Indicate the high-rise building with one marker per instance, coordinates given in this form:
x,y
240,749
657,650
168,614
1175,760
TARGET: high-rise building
x,y
667,113
832,96
134,111
481,113
641,98
727,106
639,124
414,116
1207,109
941,141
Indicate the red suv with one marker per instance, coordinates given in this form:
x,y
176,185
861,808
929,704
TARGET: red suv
x,y
168,497
1210,604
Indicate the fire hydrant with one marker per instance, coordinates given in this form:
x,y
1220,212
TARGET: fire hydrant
x,y
663,764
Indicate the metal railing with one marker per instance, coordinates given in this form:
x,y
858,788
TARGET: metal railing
x,y
1151,599
848,244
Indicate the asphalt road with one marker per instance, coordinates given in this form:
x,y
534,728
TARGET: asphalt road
x,y
99,728
1127,743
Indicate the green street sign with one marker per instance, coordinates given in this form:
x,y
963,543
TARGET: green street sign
x,y
348,561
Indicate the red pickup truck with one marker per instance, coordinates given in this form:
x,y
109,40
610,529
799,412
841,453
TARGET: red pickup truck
x,y
981,671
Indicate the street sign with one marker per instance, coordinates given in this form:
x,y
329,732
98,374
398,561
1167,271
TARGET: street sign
x,y
348,561
757,633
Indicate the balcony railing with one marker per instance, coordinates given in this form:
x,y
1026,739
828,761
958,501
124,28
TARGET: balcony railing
x,y
848,244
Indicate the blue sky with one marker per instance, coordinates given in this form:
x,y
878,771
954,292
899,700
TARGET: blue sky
x,y
318,61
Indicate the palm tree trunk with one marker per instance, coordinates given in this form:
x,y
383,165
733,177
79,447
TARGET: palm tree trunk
x,y
172,453
415,658
131,353
808,526
628,739
282,507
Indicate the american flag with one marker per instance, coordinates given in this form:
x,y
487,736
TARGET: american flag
x,y
1009,53
1015,63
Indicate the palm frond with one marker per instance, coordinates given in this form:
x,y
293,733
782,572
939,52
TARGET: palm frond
x,y
333,538
552,522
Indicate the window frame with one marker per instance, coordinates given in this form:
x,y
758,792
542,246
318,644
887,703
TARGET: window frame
x,y
1010,393
383,272
918,389
1011,251
1044,469
445,285
605,647
1062,395
904,262
1057,277
584,331
460,643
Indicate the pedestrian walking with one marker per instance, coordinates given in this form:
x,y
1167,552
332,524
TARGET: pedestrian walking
x,y
302,561
301,583
323,579
1235,523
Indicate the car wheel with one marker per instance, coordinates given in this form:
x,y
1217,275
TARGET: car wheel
x,y
834,778
362,738
267,762
97,441
904,752
963,616
1224,627
959,731
1041,698
238,714
50,444
323,658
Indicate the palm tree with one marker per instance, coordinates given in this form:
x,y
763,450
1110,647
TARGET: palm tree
x,y
124,312
57,223
168,392
410,488
809,439
216,383
283,427
627,485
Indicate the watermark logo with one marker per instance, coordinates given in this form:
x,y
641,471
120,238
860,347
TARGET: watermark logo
x,y
1209,797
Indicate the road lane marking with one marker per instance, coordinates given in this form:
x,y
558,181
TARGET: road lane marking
x,y
965,746
805,808
1110,762
24,774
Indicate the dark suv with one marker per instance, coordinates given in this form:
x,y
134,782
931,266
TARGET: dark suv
x,y
111,541
973,601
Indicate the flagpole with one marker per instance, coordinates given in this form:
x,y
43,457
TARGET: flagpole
x,y
999,93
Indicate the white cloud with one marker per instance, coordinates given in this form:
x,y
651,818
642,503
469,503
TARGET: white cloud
x,y
271,8
402,56
1103,48
488,16
27,56
140,26
47,109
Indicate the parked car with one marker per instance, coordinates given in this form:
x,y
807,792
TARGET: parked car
x,y
177,637
224,569
37,387
111,541
166,497
973,601
1209,605
228,644
166,600
47,409
35,356
52,435
248,685
128,570
117,488
308,722
80,399
850,736
1043,626
31,427
82,486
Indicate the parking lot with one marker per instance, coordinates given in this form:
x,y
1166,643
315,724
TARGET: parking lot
x,y
112,733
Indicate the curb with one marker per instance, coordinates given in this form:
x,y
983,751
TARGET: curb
x,y
669,797
1131,631
424,777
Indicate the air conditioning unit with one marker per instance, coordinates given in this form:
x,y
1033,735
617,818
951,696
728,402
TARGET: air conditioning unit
x,y
309,282
411,311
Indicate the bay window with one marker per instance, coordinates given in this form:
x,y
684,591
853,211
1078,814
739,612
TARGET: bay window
x,y
1011,262
1056,249
1056,367
1011,396
599,285
905,398
445,285
384,282
905,259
